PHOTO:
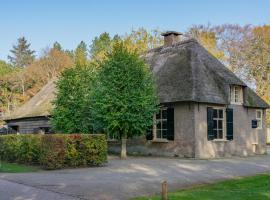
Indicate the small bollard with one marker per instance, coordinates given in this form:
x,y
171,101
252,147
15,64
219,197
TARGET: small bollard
x,y
164,190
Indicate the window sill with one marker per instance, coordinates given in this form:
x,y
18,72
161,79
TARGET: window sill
x,y
160,140
220,140
235,103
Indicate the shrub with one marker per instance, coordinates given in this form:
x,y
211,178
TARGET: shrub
x,y
10,146
29,149
55,151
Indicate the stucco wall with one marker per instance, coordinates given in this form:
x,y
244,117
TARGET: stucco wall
x,y
245,137
182,146
29,125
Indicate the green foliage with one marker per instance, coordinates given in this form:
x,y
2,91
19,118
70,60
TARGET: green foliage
x,y
100,44
57,46
81,54
72,107
22,54
5,68
124,96
9,147
29,149
54,151
53,148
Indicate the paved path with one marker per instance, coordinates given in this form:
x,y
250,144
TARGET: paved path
x,y
15,191
122,179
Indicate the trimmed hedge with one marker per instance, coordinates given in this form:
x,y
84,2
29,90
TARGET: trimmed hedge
x,y
55,151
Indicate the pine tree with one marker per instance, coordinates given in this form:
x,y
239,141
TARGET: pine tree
x,y
22,54
100,46
81,54
57,46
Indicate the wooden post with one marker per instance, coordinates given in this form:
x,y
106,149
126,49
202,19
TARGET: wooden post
x,y
164,191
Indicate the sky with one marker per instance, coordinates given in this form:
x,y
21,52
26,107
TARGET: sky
x,y
71,21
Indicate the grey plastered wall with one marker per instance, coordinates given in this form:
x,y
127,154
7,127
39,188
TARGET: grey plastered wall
x,y
182,146
29,125
245,137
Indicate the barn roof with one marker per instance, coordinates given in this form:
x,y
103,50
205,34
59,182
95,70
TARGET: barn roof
x,y
39,105
184,72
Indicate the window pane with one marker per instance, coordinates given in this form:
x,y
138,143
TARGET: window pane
x,y
220,134
215,134
158,124
215,113
259,114
158,115
158,133
164,133
215,124
220,113
220,124
164,124
164,114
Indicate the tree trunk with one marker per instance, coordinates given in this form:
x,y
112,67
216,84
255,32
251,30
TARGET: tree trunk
x,y
124,147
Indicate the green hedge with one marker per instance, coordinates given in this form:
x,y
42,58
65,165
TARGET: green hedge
x,y
55,151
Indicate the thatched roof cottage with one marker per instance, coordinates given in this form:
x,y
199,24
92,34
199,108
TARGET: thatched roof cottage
x,y
206,110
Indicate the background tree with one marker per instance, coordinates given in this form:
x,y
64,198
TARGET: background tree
x,y
72,107
5,68
22,54
207,36
57,46
124,97
81,54
141,40
100,46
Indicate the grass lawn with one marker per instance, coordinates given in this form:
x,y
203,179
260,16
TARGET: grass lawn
x,y
16,168
249,188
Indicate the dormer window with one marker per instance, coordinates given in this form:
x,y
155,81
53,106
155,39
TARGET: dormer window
x,y
236,94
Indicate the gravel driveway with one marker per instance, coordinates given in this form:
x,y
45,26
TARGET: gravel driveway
x,y
122,179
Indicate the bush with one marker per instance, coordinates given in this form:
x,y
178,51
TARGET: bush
x,y
29,149
55,151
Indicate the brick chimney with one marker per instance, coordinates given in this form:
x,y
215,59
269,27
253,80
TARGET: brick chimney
x,y
171,37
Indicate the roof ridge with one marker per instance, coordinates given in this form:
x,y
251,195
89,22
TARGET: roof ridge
x,y
178,44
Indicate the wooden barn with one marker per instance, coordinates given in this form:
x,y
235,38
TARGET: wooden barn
x,y
33,116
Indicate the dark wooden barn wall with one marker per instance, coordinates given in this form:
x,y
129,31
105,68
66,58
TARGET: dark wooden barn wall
x,y
29,125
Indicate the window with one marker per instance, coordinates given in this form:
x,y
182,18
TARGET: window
x,y
236,95
218,123
161,124
259,118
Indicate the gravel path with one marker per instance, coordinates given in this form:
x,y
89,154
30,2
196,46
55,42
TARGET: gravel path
x,y
123,179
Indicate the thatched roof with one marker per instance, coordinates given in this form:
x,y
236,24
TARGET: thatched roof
x,y
39,105
184,72
188,72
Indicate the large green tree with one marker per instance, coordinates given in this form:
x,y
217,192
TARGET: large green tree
x,y
22,55
72,107
124,96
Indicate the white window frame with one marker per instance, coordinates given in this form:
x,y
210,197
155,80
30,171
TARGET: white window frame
x,y
236,98
259,119
224,128
161,128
